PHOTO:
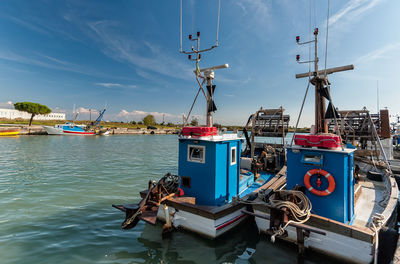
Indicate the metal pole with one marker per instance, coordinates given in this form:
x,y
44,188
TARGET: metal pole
x,y
377,97
209,101
316,84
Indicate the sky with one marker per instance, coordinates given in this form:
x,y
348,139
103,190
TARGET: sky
x,y
124,55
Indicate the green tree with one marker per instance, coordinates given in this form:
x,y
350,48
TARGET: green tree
x,y
149,120
194,122
32,108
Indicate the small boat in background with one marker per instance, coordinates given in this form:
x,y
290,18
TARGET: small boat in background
x,y
9,132
70,128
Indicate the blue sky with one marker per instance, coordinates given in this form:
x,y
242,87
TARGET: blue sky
x,y
125,54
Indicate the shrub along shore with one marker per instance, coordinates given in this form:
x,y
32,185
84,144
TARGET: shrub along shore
x,y
116,128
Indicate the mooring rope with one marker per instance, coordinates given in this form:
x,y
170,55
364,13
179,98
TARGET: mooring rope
x,y
377,221
299,211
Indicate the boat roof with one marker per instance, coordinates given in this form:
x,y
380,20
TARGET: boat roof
x,y
216,138
337,150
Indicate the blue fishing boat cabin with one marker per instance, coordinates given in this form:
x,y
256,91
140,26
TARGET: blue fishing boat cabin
x,y
209,167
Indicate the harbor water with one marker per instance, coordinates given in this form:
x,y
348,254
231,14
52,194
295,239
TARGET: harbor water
x,y
55,206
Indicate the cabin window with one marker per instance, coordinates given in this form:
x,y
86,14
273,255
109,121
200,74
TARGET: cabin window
x,y
312,159
186,181
233,155
197,153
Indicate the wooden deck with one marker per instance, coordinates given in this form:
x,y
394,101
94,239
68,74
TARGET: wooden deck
x,y
188,204
368,194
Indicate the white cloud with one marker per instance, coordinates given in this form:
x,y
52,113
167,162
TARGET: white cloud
x,y
28,25
116,85
109,85
59,110
378,53
125,49
48,62
352,11
83,110
258,12
139,113
8,105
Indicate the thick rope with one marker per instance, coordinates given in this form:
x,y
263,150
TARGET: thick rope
x,y
377,222
300,212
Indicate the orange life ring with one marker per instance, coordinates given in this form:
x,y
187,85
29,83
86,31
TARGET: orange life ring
x,y
327,175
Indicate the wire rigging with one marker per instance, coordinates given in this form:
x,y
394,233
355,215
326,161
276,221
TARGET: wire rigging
x,y
301,110
309,47
326,41
219,11
308,83
180,50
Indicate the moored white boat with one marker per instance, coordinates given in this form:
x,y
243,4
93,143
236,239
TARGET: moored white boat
x,y
69,129
203,197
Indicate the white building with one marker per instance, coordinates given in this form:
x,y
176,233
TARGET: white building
x,y
14,114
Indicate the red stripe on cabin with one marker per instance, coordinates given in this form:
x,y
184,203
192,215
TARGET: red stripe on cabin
x,y
81,133
230,222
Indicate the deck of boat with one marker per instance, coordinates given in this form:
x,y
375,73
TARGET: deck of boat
x,y
214,212
367,204
368,197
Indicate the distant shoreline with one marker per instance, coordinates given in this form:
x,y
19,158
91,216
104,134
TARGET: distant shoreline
x,y
115,128
39,130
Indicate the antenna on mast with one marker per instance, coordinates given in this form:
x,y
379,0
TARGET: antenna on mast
x,y
198,33
322,86
195,55
377,97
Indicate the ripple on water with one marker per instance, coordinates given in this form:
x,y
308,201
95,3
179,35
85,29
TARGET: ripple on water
x,y
55,203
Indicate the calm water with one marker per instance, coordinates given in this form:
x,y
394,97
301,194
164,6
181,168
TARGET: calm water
x,y
55,205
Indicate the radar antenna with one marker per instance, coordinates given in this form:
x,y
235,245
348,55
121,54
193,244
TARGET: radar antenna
x,y
194,54
322,86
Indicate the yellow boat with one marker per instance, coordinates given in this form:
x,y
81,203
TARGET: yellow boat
x,y
9,132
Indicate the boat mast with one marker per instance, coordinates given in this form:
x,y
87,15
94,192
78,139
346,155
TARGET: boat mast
x,y
208,72
320,82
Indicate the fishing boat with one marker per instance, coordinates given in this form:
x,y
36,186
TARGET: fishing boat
x,y
212,175
9,132
334,203
69,128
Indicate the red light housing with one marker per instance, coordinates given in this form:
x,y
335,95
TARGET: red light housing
x,y
189,57
297,38
190,37
198,33
316,31
297,57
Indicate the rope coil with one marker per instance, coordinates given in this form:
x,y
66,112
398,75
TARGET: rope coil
x,y
298,205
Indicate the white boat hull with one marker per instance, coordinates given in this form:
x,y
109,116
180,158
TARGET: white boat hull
x,y
210,228
51,130
338,246
60,131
